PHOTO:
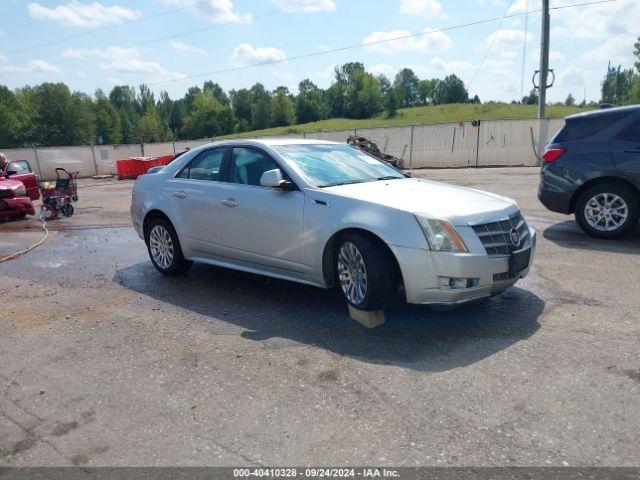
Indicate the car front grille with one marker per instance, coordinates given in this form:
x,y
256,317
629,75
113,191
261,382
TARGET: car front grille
x,y
496,236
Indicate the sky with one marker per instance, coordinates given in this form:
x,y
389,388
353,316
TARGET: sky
x,y
174,44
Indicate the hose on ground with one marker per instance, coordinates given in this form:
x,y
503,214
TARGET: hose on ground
x,y
35,245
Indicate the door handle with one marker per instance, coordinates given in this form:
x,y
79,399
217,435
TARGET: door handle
x,y
632,150
180,194
229,202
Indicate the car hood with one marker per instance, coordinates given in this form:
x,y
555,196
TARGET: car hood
x,y
458,205
8,184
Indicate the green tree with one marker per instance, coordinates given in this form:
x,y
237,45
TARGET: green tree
x,y
144,99
216,92
9,122
531,99
108,124
355,93
151,129
407,86
308,102
282,108
241,103
124,99
618,85
260,107
391,102
570,101
451,90
427,91
202,122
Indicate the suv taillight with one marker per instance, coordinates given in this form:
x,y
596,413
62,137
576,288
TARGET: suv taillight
x,y
552,154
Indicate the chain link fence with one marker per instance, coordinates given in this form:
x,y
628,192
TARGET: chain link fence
x,y
490,143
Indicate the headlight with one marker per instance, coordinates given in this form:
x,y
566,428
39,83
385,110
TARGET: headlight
x,y
21,192
441,236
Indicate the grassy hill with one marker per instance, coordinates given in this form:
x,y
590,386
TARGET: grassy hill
x,y
423,116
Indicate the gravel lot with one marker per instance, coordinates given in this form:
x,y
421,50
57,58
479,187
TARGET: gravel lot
x,y
105,362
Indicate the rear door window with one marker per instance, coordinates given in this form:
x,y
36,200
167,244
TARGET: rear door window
x,y
205,166
584,127
631,133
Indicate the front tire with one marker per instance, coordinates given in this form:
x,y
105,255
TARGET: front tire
x,y
607,211
164,248
364,272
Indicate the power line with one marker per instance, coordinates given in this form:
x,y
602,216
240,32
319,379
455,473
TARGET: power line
x,y
103,29
165,12
524,48
493,40
360,45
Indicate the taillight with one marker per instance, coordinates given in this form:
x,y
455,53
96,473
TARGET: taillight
x,y
552,154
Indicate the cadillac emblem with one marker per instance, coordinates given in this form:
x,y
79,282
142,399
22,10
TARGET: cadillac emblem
x,y
515,237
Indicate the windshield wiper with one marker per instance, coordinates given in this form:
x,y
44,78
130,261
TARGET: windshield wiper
x,y
389,177
346,182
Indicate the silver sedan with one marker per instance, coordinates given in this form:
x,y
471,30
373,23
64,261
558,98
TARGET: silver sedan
x,y
325,214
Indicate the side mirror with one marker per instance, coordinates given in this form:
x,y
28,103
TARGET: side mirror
x,y
8,173
273,178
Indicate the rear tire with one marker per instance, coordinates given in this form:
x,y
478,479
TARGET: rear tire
x,y
67,210
607,211
164,248
364,272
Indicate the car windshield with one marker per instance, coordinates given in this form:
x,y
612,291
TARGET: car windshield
x,y
328,165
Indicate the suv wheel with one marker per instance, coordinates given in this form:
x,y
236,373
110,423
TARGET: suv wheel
x,y
164,248
364,272
607,211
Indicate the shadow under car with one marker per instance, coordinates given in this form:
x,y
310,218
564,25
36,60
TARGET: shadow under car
x,y
413,336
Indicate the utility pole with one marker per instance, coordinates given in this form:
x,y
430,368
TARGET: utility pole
x,y
544,58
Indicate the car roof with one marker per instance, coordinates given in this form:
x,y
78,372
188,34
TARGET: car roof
x,y
270,142
605,111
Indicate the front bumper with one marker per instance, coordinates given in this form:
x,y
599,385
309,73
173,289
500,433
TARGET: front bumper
x,y
421,269
15,207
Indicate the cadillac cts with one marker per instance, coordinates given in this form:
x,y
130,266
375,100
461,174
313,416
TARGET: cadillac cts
x,y
324,214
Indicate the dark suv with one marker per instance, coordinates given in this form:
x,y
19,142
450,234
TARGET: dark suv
x,y
592,168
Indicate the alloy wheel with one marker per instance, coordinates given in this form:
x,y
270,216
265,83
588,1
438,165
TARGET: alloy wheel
x,y
161,246
352,273
606,212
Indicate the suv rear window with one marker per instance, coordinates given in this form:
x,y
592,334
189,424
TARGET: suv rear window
x,y
584,127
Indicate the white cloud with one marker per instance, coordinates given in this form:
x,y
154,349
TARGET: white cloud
x,y
383,69
247,54
576,77
508,39
186,48
396,41
43,67
87,15
554,55
452,66
34,66
3,57
217,11
123,60
305,6
618,49
423,8
599,21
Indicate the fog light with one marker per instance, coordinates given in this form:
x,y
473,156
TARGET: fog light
x,y
453,283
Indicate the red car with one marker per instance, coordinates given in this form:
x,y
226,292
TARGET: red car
x,y
14,202
21,171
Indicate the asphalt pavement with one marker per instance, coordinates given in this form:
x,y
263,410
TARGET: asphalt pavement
x,y
104,362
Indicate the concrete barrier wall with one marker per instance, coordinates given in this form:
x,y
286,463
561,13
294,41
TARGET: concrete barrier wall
x,y
447,145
